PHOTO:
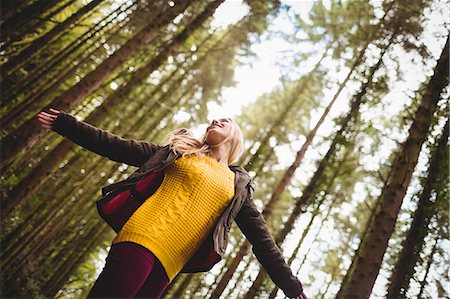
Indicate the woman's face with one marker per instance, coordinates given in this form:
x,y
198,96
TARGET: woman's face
x,y
218,130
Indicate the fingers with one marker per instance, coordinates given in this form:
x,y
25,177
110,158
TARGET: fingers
x,y
301,296
45,123
47,119
54,110
48,114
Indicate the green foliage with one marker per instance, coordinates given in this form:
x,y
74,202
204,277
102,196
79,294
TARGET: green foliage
x,y
187,81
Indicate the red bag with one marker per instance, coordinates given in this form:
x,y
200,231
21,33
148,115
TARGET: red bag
x,y
118,206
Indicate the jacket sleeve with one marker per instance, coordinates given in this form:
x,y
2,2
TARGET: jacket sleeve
x,y
254,227
104,143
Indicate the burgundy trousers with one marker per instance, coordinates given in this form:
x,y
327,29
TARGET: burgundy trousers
x,y
131,271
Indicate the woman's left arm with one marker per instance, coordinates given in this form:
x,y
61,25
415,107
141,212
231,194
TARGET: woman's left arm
x,y
254,227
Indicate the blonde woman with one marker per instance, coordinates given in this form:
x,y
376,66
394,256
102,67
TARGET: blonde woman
x,y
184,225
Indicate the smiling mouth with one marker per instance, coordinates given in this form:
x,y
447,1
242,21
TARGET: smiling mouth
x,y
213,126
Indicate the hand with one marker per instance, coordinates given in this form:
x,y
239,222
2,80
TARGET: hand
x,y
301,296
47,119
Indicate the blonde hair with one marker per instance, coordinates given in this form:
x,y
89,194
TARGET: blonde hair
x,y
183,141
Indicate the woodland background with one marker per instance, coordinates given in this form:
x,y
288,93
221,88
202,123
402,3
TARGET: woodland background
x,y
349,150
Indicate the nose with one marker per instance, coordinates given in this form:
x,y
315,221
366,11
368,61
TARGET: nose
x,y
214,122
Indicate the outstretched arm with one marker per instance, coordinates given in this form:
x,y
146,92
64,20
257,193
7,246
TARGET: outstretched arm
x,y
102,142
254,227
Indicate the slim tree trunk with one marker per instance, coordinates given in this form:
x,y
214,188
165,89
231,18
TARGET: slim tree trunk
x,y
287,176
89,83
366,265
182,287
168,50
17,61
23,31
334,273
36,78
427,270
231,268
262,275
282,116
20,19
27,134
308,191
33,180
58,279
412,245
36,91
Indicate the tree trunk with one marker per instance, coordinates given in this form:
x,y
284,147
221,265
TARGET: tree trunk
x,y
27,134
231,268
182,287
36,78
20,19
168,50
287,176
36,93
366,265
17,61
23,31
412,245
282,116
36,90
339,137
309,191
262,275
114,99
427,270
58,279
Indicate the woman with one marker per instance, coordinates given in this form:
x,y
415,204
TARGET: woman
x,y
184,225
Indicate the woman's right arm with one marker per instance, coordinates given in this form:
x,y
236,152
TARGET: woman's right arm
x,y
102,142
254,227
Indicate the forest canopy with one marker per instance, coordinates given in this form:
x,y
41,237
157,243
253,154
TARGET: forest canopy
x,y
344,109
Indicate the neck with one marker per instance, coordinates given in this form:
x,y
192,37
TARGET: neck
x,y
221,153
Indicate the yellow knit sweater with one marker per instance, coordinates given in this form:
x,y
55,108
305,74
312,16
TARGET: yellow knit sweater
x,y
174,221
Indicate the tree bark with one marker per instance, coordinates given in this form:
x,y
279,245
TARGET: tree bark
x,y
282,116
366,265
262,275
37,77
171,48
308,191
36,90
27,134
20,19
413,244
17,61
427,270
287,176
23,31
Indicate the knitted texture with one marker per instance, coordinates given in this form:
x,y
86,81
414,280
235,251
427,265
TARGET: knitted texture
x,y
173,222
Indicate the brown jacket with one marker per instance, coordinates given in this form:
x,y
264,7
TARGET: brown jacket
x,y
148,157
